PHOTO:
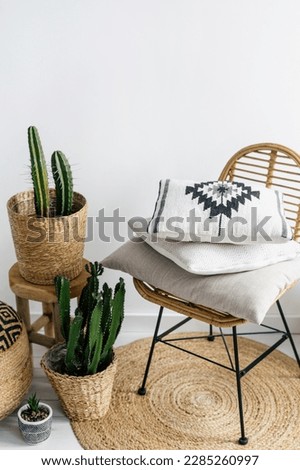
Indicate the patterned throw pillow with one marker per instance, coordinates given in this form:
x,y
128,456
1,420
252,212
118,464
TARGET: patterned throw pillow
x,y
10,326
219,212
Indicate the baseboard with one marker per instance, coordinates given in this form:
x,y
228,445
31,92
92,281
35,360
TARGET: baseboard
x,y
140,325
144,323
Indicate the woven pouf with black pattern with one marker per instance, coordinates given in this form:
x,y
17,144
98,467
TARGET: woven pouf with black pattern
x,y
15,360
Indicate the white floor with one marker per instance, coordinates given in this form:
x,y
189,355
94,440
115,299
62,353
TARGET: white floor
x,y
62,437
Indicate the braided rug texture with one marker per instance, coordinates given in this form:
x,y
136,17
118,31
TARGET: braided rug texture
x,y
192,404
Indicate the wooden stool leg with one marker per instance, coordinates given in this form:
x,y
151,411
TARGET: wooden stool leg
x,y
49,328
56,319
24,312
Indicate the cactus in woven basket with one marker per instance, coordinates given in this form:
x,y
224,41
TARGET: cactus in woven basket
x,y
38,173
91,334
62,175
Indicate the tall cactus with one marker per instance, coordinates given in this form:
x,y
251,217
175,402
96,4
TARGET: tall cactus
x,y
95,339
88,300
90,336
62,175
62,286
71,360
114,320
38,173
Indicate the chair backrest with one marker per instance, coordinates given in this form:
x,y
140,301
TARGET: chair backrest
x,y
276,167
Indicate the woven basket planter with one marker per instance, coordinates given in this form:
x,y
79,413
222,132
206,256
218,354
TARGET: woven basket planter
x,y
47,246
16,374
82,398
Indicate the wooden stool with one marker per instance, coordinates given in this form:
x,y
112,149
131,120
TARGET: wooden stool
x,y
49,320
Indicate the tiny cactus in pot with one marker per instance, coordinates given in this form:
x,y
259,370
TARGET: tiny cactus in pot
x,y
35,420
33,404
91,334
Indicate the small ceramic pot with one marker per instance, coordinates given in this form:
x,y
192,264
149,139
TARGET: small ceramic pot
x,y
35,432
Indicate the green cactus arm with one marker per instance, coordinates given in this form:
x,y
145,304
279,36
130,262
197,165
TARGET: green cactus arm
x,y
106,317
71,360
95,359
95,322
62,286
88,297
117,316
93,332
62,175
87,300
39,173
95,269
120,286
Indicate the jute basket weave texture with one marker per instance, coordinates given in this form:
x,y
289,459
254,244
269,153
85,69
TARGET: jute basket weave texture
x,y
192,404
82,398
47,246
16,374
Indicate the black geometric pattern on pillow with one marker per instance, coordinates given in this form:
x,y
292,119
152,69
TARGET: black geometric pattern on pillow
x,y
221,197
10,326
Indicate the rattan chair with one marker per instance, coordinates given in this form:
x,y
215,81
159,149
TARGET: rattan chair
x,y
275,166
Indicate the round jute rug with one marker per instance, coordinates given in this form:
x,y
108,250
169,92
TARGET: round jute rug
x,y
192,404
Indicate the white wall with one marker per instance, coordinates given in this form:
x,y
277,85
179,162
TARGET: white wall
x,y
135,90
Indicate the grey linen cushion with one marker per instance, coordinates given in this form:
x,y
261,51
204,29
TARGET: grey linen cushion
x,y
246,295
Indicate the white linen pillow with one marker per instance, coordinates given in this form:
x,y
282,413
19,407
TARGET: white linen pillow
x,y
221,258
246,295
210,258
219,212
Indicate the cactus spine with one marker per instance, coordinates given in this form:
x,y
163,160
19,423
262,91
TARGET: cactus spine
x,y
90,336
62,175
38,173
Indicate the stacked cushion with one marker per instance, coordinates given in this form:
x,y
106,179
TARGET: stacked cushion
x,y
246,295
209,259
202,262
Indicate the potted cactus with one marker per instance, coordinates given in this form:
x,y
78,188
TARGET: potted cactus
x,y
35,420
82,369
48,225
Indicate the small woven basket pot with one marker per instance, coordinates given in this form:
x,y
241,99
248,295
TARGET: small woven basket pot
x,y
82,398
47,246
16,374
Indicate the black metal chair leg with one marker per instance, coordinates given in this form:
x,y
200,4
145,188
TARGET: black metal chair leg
x,y
210,336
243,440
286,326
142,389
